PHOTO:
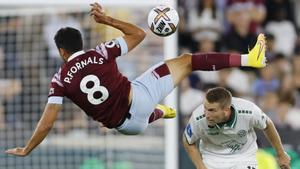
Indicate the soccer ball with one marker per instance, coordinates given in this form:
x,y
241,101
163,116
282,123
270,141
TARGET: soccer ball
x,y
163,20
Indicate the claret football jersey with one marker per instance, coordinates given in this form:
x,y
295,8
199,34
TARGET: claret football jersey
x,y
91,79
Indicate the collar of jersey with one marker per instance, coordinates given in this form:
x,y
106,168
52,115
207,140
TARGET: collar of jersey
x,y
74,55
231,122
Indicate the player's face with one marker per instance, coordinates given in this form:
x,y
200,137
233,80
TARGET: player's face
x,y
214,113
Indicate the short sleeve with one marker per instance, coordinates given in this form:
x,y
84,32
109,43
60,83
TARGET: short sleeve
x,y
112,49
56,92
193,131
259,118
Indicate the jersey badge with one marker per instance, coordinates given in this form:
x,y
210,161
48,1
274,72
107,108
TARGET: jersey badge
x,y
189,130
242,133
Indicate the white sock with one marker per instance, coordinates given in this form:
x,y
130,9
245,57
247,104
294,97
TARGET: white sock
x,y
244,60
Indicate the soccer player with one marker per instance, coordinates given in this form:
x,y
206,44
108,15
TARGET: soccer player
x,y
91,79
220,133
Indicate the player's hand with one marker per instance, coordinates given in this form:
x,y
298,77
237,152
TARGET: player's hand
x,y
284,161
98,13
18,151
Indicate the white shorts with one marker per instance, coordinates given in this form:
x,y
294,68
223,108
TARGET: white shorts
x,y
249,163
148,90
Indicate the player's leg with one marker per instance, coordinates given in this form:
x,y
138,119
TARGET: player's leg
x,y
147,91
182,66
158,81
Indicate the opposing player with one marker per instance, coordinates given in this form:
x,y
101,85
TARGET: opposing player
x,y
91,79
220,133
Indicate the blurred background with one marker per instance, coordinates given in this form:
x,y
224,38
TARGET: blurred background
x,y
29,58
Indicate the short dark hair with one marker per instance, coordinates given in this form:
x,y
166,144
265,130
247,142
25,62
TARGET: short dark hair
x,y
219,95
69,39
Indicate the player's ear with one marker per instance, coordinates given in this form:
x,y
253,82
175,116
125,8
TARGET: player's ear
x,y
63,53
227,109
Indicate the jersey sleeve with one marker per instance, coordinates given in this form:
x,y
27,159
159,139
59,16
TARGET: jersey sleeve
x,y
193,131
259,118
56,92
112,49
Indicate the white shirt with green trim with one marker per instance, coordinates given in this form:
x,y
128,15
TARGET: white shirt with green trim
x,y
235,139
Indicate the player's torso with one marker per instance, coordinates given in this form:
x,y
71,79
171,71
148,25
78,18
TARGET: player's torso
x,y
93,83
230,138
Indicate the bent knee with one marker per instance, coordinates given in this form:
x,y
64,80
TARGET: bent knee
x,y
184,60
186,55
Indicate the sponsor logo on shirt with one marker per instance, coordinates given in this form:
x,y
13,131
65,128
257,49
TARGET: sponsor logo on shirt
x,y
233,145
245,111
200,117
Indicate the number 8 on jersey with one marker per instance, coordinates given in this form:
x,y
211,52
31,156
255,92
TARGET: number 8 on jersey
x,y
90,91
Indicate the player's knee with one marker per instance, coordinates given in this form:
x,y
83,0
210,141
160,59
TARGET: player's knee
x,y
185,56
186,59
185,62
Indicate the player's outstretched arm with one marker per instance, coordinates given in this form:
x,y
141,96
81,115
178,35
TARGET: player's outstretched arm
x,y
44,126
133,34
193,153
274,138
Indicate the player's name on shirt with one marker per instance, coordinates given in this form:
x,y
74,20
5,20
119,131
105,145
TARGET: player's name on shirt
x,y
80,65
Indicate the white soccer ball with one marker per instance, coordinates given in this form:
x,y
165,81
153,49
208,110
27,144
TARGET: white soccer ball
x,y
163,20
